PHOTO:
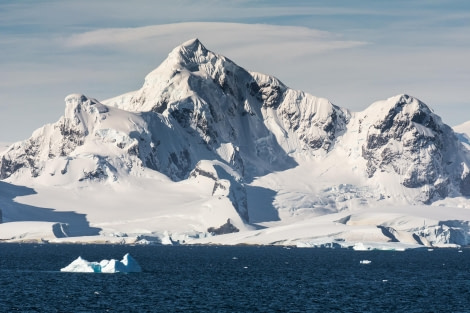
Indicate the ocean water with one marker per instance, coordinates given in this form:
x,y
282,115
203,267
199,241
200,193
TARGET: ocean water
x,y
235,279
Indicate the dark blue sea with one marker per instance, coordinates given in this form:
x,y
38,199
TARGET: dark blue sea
x,y
235,279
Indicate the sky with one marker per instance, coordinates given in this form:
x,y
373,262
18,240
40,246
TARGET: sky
x,y
351,52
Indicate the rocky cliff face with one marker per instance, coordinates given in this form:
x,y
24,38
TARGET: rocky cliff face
x,y
58,140
408,139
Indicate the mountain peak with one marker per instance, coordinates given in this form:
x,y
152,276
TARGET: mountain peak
x,y
404,107
193,44
187,56
191,52
412,103
77,99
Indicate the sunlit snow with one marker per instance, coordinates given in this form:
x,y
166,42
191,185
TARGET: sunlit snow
x,y
204,142
127,265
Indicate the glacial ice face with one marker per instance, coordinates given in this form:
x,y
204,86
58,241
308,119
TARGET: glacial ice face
x,y
127,265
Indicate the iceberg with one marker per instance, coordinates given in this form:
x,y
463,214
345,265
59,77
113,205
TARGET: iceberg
x,y
127,265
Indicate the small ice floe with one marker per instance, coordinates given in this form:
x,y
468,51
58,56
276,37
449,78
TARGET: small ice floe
x,y
460,251
127,265
359,246
365,261
234,258
430,250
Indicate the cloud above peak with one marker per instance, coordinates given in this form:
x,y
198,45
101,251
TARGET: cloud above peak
x,y
351,53
252,38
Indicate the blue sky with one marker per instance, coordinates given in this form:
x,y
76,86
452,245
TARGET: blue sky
x,y
351,52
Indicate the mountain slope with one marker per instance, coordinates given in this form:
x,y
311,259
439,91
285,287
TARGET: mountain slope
x,y
220,102
212,139
408,139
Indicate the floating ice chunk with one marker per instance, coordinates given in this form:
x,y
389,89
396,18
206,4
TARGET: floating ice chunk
x,y
130,264
360,247
365,261
81,265
127,265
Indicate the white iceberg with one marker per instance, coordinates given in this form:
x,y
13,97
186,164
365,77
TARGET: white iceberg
x,y
365,261
127,265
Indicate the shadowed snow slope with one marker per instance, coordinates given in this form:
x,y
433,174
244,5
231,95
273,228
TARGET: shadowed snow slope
x,y
204,141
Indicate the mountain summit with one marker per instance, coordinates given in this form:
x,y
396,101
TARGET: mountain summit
x,y
200,116
409,140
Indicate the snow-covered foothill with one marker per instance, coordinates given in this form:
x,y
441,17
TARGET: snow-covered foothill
x,y
127,265
34,231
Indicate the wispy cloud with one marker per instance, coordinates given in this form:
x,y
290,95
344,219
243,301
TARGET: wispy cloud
x,y
264,48
353,53
245,36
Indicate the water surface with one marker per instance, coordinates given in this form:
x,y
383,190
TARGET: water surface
x,y
235,279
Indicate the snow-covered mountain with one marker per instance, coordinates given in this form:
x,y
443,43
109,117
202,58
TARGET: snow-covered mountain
x,y
240,150
409,140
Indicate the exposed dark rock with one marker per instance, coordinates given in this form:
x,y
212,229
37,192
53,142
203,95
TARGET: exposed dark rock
x,y
388,232
226,228
98,174
197,171
411,141
179,164
465,185
161,106
183,116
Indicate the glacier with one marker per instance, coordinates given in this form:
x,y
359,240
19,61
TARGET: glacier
x,y
127,265
204,141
